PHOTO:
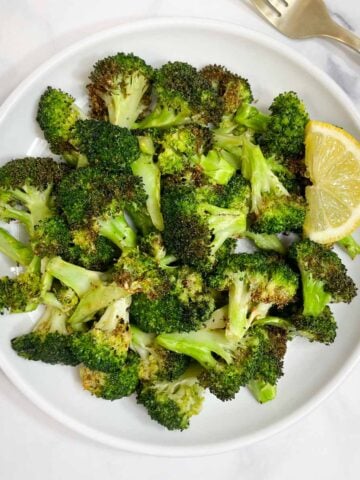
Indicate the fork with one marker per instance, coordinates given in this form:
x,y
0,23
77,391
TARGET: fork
x,y
304,19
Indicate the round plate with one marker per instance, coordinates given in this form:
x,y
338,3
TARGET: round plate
x,y
271,68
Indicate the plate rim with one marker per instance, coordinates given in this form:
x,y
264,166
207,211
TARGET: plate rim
x,y
311,404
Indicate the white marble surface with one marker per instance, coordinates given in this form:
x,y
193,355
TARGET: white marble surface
x,y
323,445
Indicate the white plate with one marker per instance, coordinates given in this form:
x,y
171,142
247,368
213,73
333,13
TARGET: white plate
x,y
312,371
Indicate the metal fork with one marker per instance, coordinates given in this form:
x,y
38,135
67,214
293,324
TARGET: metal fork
x,y
305,18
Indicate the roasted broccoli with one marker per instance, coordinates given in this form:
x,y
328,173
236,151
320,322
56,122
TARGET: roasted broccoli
x,y
182,96
105,346
22,293
26,188
172,403
49,341
324,278
57,114
14,249
120,89
350,245
255,282
184,307
156,362
198,222
112,385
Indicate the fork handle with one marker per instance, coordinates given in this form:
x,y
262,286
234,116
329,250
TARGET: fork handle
x,y
343,35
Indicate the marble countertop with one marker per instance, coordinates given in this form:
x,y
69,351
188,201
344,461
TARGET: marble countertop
x,y
323,445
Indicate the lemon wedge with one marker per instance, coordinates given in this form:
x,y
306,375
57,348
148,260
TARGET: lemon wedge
x,y
332,158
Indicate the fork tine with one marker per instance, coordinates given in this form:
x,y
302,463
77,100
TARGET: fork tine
x,y
279,5
268,12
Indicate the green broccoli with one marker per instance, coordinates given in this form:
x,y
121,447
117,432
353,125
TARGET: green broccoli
x,y
156,363
350,245
172,403
323,276
95,289
57,115
320,328
26,188
233,89
22,293
105,346
120,89
153,245
94,210
182,96
137,272
49,341
255,282
112,385
227,364
14,249
198,222
185,307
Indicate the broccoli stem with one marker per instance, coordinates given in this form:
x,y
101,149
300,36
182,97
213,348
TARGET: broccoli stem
x,y
37,202
93,301
118,232
350,245
274,322
261,390
8,213
14,249
118,310
314,297
239,300
79,279
216,167
250,117
162,117
267,242
141,341
53,320
256,170
149,172
199,345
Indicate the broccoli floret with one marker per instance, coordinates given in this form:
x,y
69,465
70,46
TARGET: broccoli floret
x,y
255,282
273,209
95,210
321,328
95,289
323,276
153,245
26,187
350,245
182,147
51,238
120,89
280,214
156,363
233,89
22,293
49,341
285,132
57,115
14,249
198,222
185,307
182,96
112,385
105,346
282,132
105,145
228,364
172,403
137,272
